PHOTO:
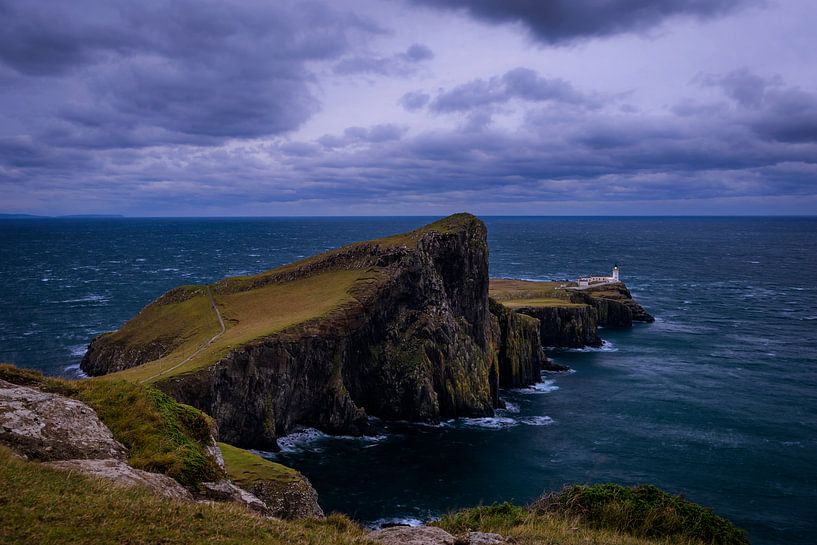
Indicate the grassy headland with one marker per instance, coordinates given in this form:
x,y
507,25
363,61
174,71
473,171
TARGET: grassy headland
x,y
528,293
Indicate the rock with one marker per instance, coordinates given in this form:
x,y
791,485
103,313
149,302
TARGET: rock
x,y
226,491
614,305
520,355
124,475
481,538
44,426
291,500
570,326
416,535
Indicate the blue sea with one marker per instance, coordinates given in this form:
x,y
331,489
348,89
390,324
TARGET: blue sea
x,y
717,400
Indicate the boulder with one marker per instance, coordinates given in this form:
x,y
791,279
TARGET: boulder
x,y
122,474
413,535
46,427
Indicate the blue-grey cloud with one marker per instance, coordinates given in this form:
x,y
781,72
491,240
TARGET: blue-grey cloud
x,y
127,74
519,83
564,21
774,111
401,64
414,100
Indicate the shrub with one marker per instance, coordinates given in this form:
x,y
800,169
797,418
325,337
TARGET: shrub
x,y
642,511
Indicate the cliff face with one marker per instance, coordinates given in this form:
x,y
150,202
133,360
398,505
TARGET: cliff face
x,y
614,305
412,338
519,348
571,326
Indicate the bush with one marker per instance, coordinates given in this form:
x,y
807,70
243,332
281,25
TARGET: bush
x,y
642,511
496,517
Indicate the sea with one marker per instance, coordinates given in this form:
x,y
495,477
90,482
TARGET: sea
x,y
716,400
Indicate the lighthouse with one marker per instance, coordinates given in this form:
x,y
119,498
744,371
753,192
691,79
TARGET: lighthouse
x,y
615,273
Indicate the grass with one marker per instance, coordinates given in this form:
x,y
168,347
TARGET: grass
x,y
527,293
248,315
245,468
48,506
162,435
642,511
580,515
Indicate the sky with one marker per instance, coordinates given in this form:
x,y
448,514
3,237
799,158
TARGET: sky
x,y
408,107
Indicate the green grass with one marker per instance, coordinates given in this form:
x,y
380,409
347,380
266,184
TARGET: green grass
x,y
527,292
248,314
162,435
48,506
643,511
245,468
562,525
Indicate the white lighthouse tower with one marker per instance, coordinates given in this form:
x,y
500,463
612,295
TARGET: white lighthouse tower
x,y
615,273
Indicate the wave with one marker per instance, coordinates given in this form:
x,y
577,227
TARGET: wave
x,y
305,439
510,407
536,420
74,371
490,422
504,422
78,350
394,521
92,298
606,346
544,387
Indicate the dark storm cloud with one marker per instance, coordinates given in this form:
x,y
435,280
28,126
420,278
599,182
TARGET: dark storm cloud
x,y
564,21
519,83
126,74
401,64
774,111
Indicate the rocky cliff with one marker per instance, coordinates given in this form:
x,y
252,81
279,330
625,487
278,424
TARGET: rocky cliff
x,y
614,304
569,317
571,326
399,329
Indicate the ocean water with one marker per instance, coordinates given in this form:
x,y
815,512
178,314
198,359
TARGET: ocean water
x,y
716,400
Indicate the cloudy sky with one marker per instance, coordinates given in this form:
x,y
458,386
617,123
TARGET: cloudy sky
x,y
419,107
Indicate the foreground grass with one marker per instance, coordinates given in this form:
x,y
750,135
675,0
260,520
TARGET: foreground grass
x,y
606,513
47,506
162,435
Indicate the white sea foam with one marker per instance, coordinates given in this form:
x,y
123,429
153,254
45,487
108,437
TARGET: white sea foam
x,y
74,371
92,298
606,346
510,408
490,422
544,387
78,350
305,439
395,521
536,420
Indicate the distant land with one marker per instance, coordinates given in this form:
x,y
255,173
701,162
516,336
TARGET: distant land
x,y
72,216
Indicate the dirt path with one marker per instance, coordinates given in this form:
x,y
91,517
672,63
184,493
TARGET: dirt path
x,y
200,348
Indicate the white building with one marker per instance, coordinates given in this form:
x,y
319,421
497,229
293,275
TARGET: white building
x,y
586,281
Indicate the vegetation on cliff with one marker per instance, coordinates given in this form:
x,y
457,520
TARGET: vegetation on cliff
x,y
602,513
161,435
